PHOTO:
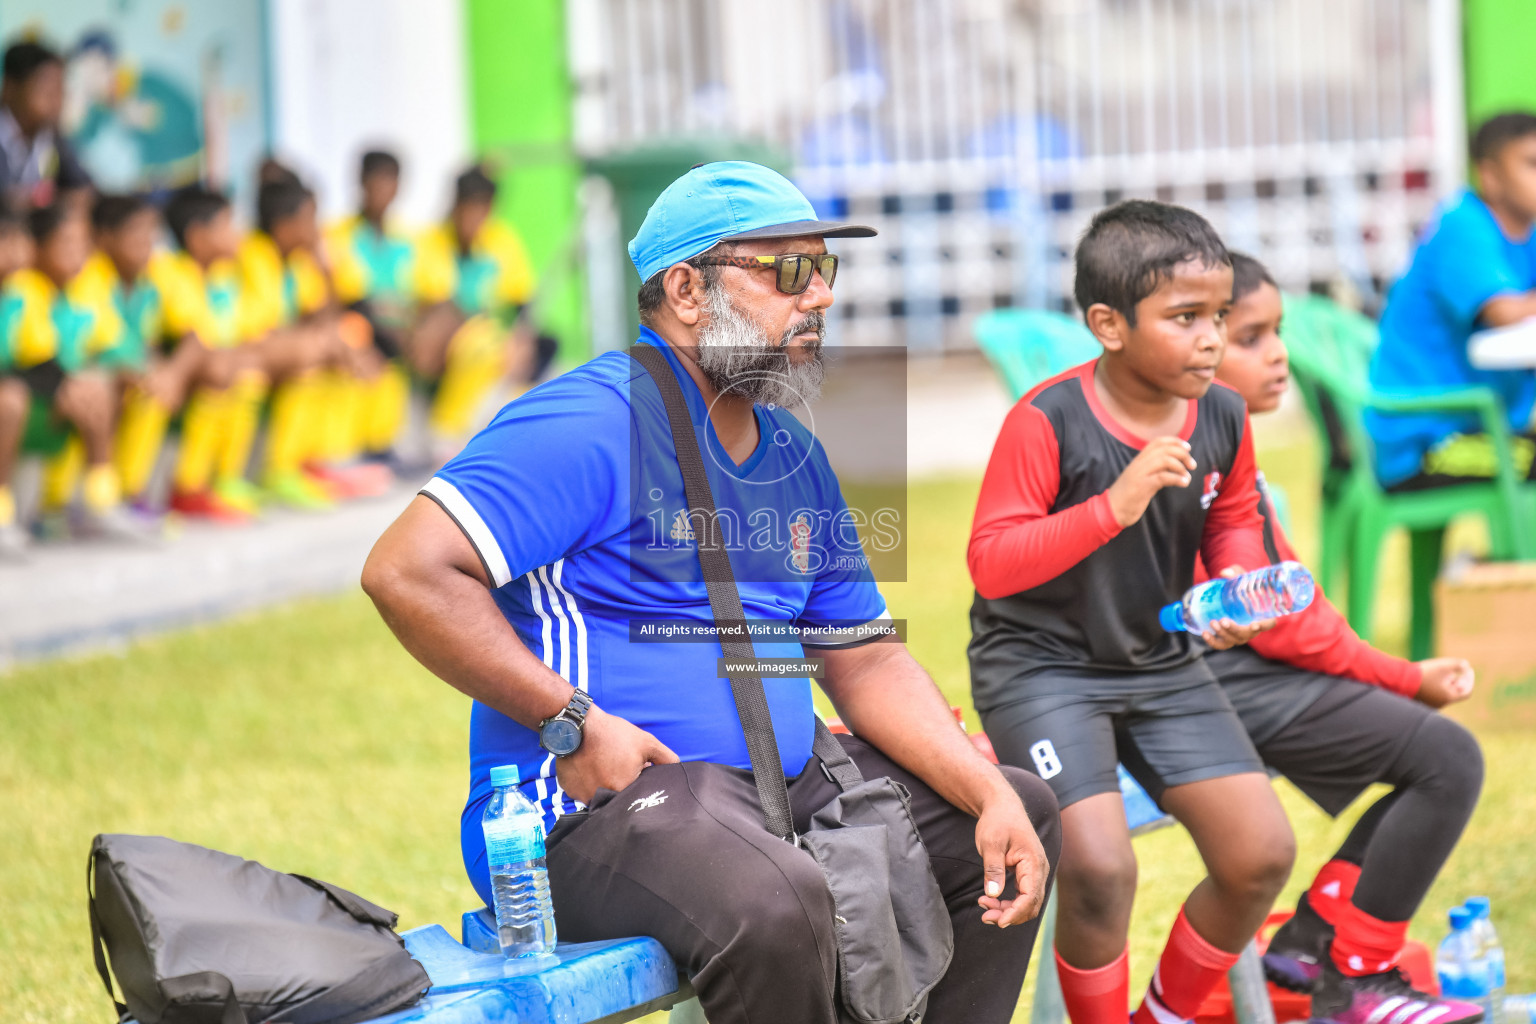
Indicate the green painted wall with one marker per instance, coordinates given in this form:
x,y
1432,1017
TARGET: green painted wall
x,y
520,121
1500,70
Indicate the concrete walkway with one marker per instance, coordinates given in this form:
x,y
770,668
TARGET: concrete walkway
x,y
82,596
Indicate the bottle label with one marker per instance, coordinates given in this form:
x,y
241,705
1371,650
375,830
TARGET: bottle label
x,y
1204,605
513,842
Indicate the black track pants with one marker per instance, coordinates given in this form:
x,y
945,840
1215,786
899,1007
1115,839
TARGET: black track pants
x,y
682,855
1355,735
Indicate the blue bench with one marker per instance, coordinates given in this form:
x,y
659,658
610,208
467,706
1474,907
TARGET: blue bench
x,y
581,983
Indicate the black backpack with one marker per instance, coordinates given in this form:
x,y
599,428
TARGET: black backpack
x,y
197,936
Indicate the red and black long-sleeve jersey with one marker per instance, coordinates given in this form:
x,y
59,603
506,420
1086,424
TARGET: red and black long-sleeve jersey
x,y
1058,582
1319,639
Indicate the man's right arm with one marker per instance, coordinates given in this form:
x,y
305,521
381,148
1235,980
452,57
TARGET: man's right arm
x,y
431,588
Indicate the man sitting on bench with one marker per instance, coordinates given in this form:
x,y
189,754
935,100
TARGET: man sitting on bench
x,y
518,573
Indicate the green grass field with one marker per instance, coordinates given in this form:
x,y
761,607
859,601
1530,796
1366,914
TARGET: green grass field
x,y
306,738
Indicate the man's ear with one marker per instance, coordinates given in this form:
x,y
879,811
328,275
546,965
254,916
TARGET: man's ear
x,y
1107,325
683,287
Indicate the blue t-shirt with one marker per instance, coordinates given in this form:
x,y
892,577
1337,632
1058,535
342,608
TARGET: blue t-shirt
x,y
574,501
1462,261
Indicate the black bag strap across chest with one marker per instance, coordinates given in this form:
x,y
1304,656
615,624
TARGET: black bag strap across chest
x,y
730,619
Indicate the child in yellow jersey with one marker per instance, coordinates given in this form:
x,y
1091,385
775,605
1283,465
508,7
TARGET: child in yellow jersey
x,y
15,398
315,356
198,284
285,294
156,367
372,265
371,270
57,342
473,280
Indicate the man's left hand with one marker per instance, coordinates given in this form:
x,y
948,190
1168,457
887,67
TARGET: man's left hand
x,y
1006,839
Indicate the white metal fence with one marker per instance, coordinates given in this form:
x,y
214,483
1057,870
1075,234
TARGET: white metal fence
x,y
980,135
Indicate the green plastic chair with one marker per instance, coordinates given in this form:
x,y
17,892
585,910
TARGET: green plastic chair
x,y
1331,350
1028,346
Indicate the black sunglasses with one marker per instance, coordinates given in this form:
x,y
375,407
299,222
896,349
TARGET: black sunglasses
x,y
793,269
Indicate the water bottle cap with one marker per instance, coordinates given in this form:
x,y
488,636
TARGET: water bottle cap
x,y
504,775
1171,617
1461,919
1480,906
1302,586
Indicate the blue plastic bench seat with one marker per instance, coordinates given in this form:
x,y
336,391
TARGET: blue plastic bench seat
x,y
1141,813
582,982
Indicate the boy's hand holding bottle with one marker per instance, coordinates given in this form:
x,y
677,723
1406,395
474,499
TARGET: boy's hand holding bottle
x,y
1224,633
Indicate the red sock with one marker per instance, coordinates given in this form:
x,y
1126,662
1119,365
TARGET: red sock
x,y
1189,969
1363,944
1097,996
1333,888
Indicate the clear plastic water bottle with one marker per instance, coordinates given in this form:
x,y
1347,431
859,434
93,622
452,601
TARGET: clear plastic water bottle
x,y
1266,593
1488,944
514,849
1464,972
1520,1009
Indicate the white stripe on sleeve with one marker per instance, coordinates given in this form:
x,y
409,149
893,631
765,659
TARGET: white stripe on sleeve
x,y
473,526
829,644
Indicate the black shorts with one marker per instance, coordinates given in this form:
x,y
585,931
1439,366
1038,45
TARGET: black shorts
x,y
1266,695
1169,729
43,380
386,335
1347,737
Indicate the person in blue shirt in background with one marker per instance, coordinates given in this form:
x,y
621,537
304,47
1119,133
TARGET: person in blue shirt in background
x,y
522,571
1474,268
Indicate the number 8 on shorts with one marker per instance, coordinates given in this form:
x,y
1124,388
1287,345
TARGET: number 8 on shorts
x,y
1047,764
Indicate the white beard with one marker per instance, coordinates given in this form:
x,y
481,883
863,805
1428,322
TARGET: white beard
x,y
738,356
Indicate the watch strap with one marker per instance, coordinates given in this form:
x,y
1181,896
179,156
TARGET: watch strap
x,y
575,709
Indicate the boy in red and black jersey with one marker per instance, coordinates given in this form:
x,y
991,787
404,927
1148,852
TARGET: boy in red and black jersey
x,y
1334,715
1104,486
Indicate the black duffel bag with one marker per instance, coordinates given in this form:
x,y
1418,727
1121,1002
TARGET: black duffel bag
x,y
197,936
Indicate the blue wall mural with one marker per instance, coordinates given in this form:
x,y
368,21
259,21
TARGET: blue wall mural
x,y
158,92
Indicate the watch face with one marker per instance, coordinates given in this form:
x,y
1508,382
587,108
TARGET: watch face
x,y
560,737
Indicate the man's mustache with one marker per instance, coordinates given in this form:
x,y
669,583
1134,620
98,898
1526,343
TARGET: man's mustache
x,y
814,322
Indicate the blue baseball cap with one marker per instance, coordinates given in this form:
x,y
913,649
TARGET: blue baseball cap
x,y
727,199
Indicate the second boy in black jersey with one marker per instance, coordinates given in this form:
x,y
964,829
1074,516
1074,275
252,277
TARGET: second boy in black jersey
x,y
1104,486
1334,716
